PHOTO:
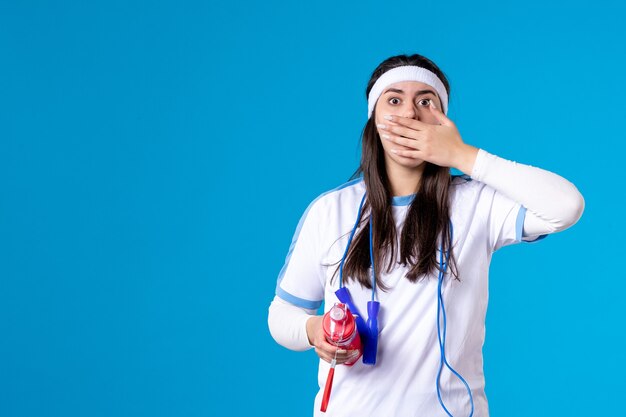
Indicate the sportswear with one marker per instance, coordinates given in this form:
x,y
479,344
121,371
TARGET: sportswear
x,y
500,204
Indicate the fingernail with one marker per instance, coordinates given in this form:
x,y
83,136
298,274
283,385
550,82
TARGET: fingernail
x,y
341,351
381,126
432,103
385,136
388,117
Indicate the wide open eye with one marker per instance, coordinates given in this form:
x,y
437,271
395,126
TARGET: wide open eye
x,y
394,98
426,100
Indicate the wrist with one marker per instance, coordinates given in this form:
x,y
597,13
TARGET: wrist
x,y
466,159
311,328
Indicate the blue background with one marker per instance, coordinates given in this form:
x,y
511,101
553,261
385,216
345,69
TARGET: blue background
x,y
155,158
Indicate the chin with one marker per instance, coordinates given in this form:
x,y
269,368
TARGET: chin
x,y
407,162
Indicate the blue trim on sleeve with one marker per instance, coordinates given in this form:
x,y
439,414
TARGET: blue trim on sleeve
x,y
519,223
519,227
300,302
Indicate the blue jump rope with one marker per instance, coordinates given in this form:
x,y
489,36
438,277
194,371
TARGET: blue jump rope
x,y
368,331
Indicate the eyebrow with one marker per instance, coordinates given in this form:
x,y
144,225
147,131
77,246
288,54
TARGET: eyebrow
x,y
420,92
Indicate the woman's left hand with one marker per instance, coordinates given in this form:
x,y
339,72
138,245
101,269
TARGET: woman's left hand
x,y
439,144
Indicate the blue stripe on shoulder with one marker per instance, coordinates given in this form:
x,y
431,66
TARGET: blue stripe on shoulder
x,y
279,291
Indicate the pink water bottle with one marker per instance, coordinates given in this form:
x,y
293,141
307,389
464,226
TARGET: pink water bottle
x,y
340,330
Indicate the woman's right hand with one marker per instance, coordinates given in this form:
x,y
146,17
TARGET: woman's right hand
x,y
325,350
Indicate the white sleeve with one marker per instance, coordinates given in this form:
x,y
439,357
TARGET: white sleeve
x,y
547,202
287,324
302,278
300,284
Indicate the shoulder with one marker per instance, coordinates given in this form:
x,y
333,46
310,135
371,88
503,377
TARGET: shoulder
x,y
462,180
466,191
464,184
346,194
470,198
322,212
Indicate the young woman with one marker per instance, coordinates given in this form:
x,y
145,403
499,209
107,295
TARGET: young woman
x,y
429,237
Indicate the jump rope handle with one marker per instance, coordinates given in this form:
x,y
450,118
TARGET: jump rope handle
x,y
371,346
368,331
344,296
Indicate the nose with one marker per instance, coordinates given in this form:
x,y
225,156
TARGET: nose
x,y
409,110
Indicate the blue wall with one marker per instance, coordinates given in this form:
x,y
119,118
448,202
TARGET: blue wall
x,y
155,158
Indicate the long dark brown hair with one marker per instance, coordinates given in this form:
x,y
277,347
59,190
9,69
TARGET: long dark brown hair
x,y
427,217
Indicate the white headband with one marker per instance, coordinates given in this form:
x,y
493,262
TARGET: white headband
x,y
406,73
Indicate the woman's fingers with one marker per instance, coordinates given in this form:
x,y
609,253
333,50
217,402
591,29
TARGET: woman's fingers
x,y
407,153
347,356
439,143
342,356
351,355
407,121
400,130
328,352
425,149
324,355
410,144
325,350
